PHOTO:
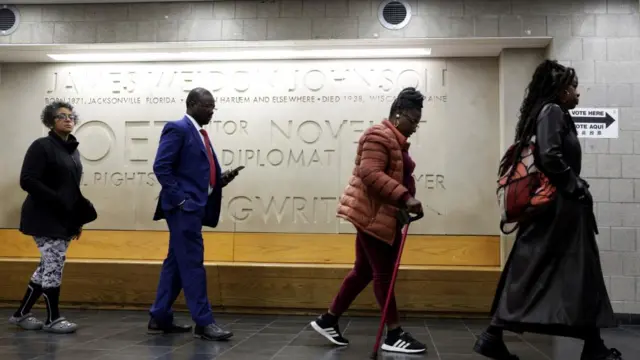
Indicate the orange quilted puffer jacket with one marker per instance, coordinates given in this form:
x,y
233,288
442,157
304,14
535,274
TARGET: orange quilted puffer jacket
x,y
371,199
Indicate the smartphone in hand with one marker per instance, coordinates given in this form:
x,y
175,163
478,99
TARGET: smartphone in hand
x,y
236,170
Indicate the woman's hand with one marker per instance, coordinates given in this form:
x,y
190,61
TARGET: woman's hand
x,y
414,206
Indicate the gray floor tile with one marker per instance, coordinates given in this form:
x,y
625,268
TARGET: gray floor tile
x,y
121,335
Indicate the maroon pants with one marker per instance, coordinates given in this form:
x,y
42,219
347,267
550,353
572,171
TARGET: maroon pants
x,y
375,260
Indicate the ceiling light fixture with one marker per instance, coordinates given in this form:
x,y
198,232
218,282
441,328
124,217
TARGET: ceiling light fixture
x,y
381,53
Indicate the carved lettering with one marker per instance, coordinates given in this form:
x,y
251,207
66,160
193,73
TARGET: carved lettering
x,y
160,100
310,132
141,139
233,99
240,213
296,209
266,210
430,181
118,178
137,141
314,80
274,117
261,78
386,83
278,157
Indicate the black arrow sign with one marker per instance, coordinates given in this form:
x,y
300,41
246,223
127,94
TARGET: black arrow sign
x,y
607,120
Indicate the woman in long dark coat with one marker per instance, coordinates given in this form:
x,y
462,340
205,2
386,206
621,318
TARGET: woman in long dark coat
x,y
552,282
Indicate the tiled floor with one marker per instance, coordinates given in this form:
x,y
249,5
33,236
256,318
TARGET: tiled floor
x,y
118,335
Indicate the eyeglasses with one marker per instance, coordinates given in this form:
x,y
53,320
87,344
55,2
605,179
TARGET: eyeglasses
x,y
62,117
412,120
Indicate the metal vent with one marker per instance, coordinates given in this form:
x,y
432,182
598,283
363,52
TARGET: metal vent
x,y
9,19
394,14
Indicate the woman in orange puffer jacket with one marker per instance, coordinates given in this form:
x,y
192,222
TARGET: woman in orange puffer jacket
x,y
381,183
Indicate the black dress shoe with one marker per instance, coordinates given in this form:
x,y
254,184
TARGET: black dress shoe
x,y
609,354
493,347
154,328
211,332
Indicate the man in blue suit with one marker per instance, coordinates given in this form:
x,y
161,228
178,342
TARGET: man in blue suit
x,y
187,168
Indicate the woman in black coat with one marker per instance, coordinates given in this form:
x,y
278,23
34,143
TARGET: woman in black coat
x,y
552,282
53,214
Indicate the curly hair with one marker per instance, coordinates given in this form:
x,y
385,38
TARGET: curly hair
x,y
408,99
49,112
549,79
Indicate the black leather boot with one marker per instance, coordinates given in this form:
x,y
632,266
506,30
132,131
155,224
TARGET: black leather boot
x,y
595,349
609,354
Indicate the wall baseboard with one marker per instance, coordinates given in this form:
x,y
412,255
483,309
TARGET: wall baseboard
x,y
252,287
107,245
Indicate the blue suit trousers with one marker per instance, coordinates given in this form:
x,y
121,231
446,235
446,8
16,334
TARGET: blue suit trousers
x,y
183,269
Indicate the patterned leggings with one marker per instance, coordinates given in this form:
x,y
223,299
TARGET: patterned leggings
x,y
53,255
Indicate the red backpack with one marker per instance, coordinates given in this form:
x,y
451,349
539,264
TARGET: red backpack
x,y
522,188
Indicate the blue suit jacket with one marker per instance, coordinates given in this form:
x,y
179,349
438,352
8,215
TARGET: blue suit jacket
x,y
182,169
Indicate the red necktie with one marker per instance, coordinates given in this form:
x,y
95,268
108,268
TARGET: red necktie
x,y
212,163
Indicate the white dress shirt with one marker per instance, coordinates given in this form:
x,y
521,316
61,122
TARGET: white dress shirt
x,y
198,127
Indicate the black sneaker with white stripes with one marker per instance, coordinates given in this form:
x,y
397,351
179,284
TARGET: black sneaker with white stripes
x,y
327,326
403,343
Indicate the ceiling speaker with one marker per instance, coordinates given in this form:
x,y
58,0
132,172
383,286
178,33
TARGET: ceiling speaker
x,y
394,14
9,19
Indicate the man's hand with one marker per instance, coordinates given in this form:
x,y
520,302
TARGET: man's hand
x,y
228,177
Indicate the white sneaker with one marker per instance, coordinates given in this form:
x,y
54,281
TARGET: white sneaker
x,y
330,331
405,344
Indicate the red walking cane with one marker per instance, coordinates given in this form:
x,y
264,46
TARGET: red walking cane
x,y
406,219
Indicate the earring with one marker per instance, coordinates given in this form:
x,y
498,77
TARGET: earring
x,y
397,116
